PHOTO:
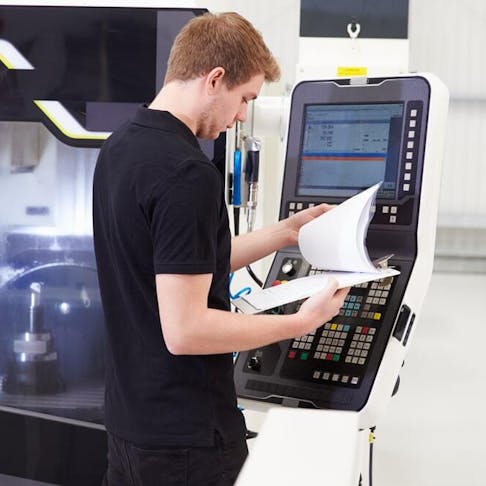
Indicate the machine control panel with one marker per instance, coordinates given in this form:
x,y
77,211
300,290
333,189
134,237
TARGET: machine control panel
x,y
337,352
343,139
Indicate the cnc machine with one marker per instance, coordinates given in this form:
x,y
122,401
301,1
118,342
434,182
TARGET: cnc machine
x,y
344,136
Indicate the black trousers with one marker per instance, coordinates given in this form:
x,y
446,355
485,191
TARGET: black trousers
x,y
129,465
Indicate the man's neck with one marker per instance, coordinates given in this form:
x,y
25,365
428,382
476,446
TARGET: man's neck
x,y
177,98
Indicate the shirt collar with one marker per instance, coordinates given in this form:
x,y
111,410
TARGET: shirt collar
x,y
164,120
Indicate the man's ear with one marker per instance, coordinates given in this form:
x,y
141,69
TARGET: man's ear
x,y
215,80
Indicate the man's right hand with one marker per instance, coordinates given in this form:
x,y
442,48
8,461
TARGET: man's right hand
x,y
322,306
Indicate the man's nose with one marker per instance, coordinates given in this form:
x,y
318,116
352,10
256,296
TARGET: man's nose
x,y
241,115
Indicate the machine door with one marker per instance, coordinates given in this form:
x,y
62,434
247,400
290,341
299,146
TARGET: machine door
x,y
68,77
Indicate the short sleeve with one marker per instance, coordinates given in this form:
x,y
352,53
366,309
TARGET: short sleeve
x,y
184,219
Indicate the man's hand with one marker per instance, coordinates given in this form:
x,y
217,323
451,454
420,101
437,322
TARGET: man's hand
x,y
296,221
322,306
250,247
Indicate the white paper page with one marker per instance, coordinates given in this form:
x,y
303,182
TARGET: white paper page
x,y
336,239
304,287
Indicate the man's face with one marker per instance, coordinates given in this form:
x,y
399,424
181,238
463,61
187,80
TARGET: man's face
x,y
227,107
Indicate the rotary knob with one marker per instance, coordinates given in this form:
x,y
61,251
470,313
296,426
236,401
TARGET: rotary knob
x,y
254,363
288,268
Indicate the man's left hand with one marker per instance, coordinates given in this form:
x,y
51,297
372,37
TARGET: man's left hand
x,y
296,221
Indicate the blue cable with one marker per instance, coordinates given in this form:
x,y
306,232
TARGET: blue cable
x,y
243,291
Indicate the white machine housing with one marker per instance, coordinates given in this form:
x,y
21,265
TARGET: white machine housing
x,y
392,359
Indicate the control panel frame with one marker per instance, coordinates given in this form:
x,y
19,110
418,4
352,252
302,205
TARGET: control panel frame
x,y
410,239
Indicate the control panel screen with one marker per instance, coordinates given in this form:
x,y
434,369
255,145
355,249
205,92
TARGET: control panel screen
x,y
349,147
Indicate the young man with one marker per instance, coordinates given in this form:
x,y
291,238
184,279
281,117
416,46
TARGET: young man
x,y
164,253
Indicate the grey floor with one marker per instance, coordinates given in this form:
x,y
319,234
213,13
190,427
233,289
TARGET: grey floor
x,y
434,432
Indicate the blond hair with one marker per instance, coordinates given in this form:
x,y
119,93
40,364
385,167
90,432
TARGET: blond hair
x,y
224,40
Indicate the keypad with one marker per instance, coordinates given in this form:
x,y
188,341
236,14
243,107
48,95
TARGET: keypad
x,y
296,206
341,378
360,345
351,306
411,144
303,342
300,347
331,343
368,305
375,302
337,353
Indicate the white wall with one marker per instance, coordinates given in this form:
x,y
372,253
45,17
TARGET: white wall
x,y
449,38
279,23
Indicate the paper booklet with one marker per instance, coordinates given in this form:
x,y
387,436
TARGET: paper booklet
x,y
333,242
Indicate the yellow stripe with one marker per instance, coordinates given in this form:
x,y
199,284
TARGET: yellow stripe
x,y
4,60
63,130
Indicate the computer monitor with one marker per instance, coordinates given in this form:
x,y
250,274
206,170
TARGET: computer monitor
x,y
346,148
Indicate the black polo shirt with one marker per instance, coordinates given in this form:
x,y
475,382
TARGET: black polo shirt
x,y
158,207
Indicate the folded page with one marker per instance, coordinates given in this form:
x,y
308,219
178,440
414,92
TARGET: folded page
x,y
336,239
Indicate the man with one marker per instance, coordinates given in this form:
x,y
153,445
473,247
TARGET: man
x,y
164,254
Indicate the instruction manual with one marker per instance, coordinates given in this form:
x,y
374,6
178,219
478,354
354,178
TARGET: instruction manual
x,y
333,242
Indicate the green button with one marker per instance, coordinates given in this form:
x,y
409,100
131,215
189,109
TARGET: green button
x,y
304,356
336,357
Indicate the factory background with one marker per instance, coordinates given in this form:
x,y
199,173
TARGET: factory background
x,y
434,430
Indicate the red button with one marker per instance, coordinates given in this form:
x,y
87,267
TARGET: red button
x,y
365,330
291,354
276,282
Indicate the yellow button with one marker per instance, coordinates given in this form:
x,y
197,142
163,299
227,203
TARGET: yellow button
x,y
333,327
377,316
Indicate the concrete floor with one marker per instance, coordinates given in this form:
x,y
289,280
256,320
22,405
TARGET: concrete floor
x,y
434,432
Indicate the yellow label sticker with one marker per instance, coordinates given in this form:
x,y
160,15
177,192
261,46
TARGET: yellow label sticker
x,y
347,71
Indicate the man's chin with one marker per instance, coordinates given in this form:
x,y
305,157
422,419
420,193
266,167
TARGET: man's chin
x,y
223,130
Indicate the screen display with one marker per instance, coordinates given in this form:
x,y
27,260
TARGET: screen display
x,y
348,148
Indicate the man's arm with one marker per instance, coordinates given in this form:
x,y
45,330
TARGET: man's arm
x,y
190,327
250,247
